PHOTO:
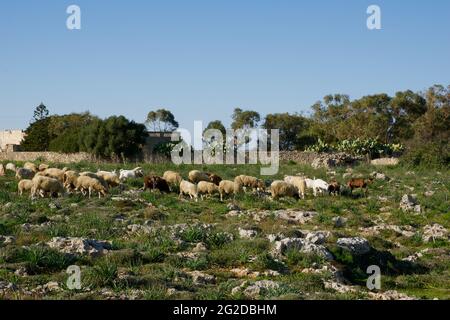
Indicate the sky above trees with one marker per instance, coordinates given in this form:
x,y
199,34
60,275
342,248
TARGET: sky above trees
x,y
203,59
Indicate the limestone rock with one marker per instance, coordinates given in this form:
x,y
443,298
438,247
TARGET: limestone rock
x,y
356,245
385,162
247,233
80,246
409,203
434,232
260,288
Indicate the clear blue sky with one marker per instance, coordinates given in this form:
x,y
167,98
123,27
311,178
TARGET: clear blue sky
x,y
201,59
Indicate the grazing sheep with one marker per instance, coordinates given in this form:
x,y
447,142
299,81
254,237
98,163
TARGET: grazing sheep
x,y
94,176
299,182
196,176
23,173
251,182
156,183
111,178
70,180
2,170
227,187
359,183
127,174
317,185
86,184
55,173
11,167
208,188
24,185
31,166
45,185
214,178
43,167
173,178
334,188
188,188
280,189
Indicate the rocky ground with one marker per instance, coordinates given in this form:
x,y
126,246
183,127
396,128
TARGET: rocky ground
x,y
143,245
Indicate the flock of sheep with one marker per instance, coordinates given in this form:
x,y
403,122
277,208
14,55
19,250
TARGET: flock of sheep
x,y
43,181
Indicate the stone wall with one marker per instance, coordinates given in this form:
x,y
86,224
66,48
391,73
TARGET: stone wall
x,y
46,156
300,157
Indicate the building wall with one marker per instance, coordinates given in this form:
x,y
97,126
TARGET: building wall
x,y
13,137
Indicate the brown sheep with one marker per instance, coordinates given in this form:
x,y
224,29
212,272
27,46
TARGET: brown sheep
x,y
359,183
334,188
156,183
214,178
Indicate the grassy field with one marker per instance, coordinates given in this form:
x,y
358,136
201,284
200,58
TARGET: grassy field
x,y
154,256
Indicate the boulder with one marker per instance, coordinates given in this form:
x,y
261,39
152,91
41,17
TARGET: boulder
x,y
301,245
355,245
6,240
80,246
295,216
247,233
260,288
379,176
434,232
385,162
200,278
331,160
409,203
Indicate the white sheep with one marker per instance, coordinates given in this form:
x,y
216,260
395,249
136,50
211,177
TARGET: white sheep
x,y
173,178
127,174
195,176
43,185
86,184
280,189
70,180
111,178
23,173
24,185
55,173
319,186
188,188
299,182
11,167
227,187
206,188
250,182
43,167
31,166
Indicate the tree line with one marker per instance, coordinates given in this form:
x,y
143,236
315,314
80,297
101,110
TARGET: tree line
x,y
419,121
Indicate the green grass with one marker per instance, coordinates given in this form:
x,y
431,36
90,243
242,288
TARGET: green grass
x,y
152,261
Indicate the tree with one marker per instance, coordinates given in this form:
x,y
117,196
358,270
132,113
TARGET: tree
x,y
36,136
218,125
293,129
161,120
329,115
113,137
40,113
429,145
245,119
